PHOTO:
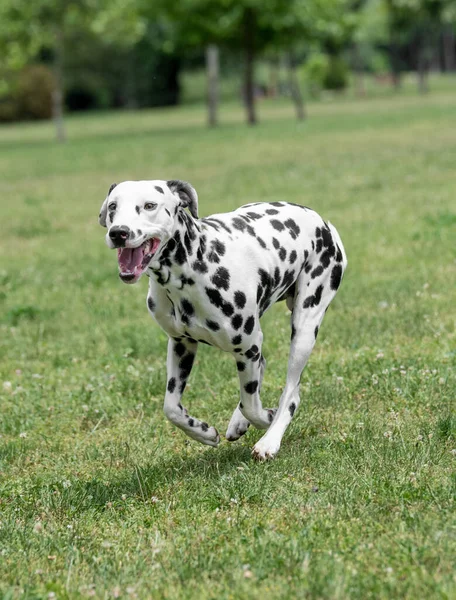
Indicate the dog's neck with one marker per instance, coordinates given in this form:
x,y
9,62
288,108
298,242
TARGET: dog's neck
x,y
186,244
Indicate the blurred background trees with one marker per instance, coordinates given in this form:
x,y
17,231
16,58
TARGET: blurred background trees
x,y
73,55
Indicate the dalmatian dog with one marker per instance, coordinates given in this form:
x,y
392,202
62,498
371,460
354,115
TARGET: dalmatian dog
x,y
211,280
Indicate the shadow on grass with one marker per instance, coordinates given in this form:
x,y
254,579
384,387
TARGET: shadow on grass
x,y
151,481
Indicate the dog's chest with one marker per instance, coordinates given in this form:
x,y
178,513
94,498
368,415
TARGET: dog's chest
x,y
182,308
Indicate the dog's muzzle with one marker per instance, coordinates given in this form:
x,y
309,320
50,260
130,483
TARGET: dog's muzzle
x,y
134,261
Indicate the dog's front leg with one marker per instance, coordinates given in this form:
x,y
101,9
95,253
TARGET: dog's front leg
x,y
181,354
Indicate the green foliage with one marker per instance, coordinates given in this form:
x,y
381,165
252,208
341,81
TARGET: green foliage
x,y
336,76
314,73
29,96
101,497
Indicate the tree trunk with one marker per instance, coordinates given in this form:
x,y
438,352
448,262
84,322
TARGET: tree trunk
x,y
249,49
395,61
212,70
449,49
131,98
273,78
295,89
359,72
57,93
422,72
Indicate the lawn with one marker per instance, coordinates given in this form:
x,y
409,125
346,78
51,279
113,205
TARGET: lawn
x,y
101,497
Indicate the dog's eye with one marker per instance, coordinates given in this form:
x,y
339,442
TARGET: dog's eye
x,y
150,206
112,206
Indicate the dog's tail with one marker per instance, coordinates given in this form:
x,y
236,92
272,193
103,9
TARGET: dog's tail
x,y
338,241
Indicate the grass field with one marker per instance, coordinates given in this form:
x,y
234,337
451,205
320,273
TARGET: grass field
x,y
101,497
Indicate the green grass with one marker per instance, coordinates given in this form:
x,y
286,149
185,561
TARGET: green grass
x,y
100,496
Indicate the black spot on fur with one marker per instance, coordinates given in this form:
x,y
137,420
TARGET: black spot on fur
x,y
185,365
272,211
240,299
188,243
150,303
236,321
293,331
200,266
282,253
137,209
277,277
249,325
222,224
236,340
215,297
213,257
159,189
213,326
227,309
316,332
319,246
292,408
278,204
179,349
180,256
339,254
293,228
221,278
317,271
239,224
171,385
255,216
293,256
261,242
191,422
314,300
325,259
251,387
276,243
187,307
277,224
218,247
204,426
253,351
240,366
336,276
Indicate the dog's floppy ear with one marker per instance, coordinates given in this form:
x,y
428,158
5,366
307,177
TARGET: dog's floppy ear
x,y
186,193
104,208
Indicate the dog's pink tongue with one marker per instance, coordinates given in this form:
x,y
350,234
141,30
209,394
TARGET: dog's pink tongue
x,y
129,259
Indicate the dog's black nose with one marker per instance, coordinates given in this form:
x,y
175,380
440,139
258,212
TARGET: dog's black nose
x,y
119,235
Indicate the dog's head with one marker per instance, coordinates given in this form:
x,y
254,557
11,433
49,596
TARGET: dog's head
x,y
140,218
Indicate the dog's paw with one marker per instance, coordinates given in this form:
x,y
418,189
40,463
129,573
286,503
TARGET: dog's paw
x,y
265,450
212,437
234,433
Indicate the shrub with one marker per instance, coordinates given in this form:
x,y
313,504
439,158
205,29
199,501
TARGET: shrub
x,y
28,95
336,77
314,73
34,92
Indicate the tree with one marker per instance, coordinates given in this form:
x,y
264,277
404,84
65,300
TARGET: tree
x,y
28,27
418,23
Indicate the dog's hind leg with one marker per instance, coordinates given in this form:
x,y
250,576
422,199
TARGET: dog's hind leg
x,y
312,299
181,354
238,424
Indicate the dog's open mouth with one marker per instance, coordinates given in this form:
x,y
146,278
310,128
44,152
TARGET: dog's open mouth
x,y
133,261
